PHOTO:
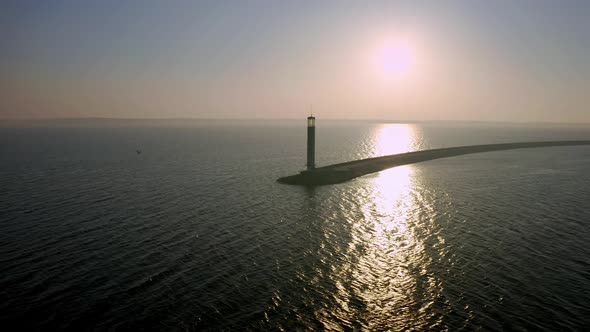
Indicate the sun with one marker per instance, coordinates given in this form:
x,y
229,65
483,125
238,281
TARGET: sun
x,y
394,60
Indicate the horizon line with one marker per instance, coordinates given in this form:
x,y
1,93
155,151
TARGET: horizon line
x,y
122,119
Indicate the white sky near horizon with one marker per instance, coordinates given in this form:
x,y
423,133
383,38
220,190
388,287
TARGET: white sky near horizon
x,y
523,61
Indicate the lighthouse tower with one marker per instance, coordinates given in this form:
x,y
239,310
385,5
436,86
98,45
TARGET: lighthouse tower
x,y
310,142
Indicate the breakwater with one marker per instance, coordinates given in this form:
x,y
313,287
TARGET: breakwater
x,y
343,172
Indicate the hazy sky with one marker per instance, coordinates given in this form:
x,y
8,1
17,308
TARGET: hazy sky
x,y
467,60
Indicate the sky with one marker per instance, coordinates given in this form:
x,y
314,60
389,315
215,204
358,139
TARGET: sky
x,y
504,60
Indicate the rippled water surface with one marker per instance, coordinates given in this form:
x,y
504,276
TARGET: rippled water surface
x,y
194,234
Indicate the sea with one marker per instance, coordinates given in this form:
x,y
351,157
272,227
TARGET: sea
x,y
180,225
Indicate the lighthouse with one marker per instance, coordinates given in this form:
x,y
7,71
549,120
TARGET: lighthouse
x,y
310,142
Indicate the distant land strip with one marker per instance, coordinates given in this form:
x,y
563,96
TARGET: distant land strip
x,y
347,171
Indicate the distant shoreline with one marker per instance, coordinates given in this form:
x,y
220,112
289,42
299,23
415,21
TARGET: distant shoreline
x,y
188,121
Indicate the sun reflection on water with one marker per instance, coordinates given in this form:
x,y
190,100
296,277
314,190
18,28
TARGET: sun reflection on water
x,y
394,138
375,249
392,267
391,189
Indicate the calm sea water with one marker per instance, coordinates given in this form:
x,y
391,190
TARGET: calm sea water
x,y
194,234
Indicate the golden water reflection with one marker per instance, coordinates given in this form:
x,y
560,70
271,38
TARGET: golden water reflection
x,y
391,188
395,138
392,270
382,278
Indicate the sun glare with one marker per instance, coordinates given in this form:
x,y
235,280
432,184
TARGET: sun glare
x,y
394,60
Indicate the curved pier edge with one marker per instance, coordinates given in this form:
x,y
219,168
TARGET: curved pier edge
x,y
318,178
347,171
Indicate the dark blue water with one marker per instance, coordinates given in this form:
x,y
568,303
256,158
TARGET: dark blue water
x,y
194,234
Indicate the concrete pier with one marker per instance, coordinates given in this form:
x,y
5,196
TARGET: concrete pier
x,y
343,172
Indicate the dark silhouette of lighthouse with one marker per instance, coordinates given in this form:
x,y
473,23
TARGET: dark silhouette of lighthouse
x,y
310,142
